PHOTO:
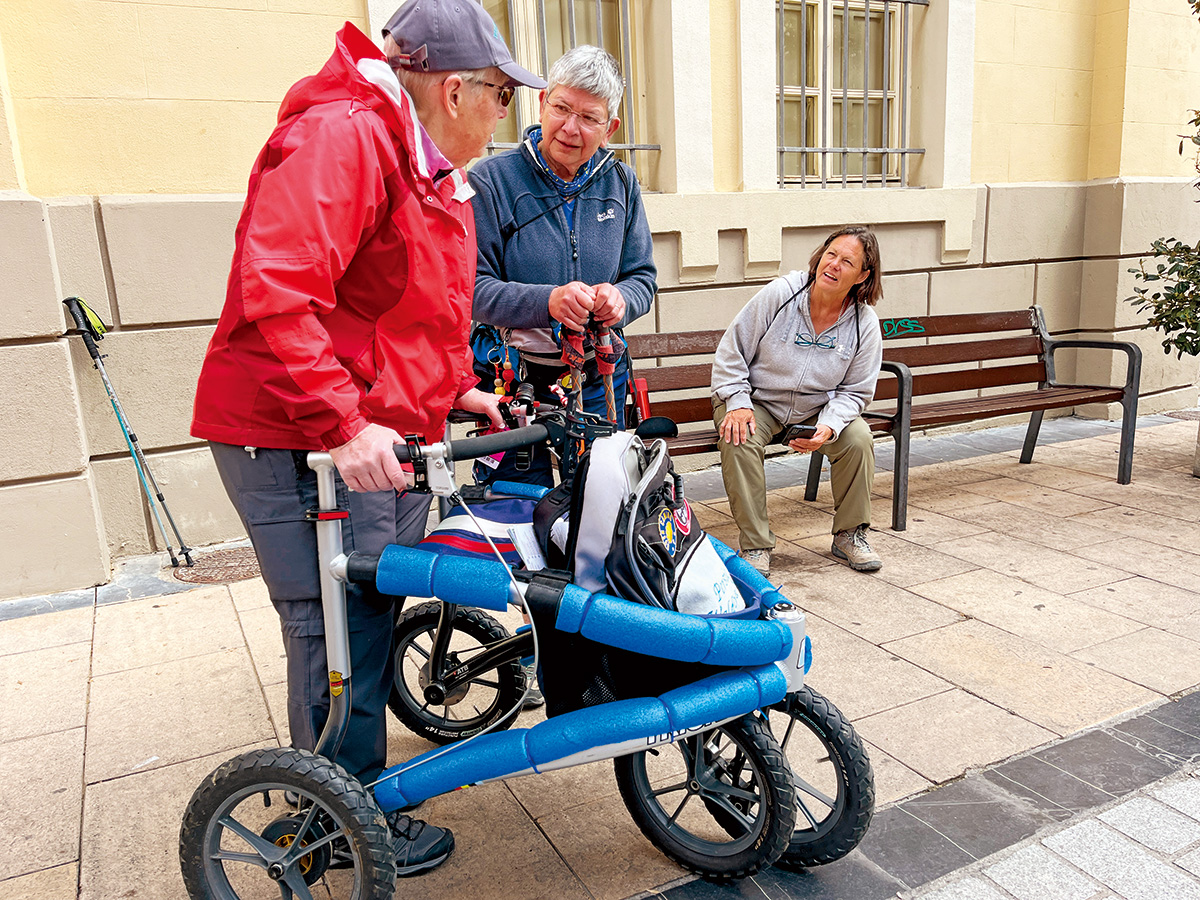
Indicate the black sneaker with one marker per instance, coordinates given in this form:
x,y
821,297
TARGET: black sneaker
x,y
419,846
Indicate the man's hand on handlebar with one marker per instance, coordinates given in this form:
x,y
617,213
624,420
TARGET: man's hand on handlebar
x,y
477,401
367,461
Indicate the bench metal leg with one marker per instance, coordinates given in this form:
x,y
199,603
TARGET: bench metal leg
x,y
900,482
1031,436
1128,429
816,458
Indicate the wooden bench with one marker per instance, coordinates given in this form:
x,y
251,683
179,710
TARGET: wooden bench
x,y
937,370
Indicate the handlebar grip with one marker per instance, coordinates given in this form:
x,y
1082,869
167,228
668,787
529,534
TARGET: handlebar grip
x,y
402,453
83,325
470,448
361,567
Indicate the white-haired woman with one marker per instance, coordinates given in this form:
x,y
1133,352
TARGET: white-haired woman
x,y
562,236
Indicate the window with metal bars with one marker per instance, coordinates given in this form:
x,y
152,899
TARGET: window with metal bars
x,y
551,28
843,103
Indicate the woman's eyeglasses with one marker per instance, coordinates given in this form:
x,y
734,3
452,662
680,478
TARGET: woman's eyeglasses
x,y
804,339
563,113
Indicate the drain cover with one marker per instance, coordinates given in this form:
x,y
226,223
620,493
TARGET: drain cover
x,y
220,567
1191,414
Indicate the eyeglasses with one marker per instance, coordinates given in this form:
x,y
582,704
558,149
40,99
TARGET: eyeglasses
x,y
563,113
504,92
804,339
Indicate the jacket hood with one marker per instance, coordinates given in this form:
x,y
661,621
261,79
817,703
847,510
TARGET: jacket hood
x,y
339,79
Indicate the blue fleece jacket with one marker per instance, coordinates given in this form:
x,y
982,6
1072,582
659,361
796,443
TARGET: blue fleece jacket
x,y
526,252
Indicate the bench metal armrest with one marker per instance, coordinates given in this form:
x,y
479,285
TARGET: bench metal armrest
x,y
903,393
1133,368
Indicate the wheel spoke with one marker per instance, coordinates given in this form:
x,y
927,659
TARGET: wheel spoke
x,y
297,851
744,819
803,786
681,786
265,848
230,856
294,879
413,645
482,683
679,809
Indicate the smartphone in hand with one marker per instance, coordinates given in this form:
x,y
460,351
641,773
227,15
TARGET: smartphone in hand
x,y
801,432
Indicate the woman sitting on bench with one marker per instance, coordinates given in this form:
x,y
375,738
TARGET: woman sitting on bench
x,y
804,351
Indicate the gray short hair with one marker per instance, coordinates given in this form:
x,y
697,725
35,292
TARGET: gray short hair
x,y
592,70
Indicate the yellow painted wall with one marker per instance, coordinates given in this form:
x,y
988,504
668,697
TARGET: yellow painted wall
x,y
174,96
727,144
1070,90
10,164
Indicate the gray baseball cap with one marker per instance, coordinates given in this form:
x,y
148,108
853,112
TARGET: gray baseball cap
x,y
452,35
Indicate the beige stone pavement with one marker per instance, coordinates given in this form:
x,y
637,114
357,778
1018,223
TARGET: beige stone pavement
x,y
1023,604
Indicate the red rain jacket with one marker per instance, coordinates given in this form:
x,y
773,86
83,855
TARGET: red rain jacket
x,y
349,299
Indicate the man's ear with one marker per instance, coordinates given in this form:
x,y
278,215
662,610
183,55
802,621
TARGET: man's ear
x,y
612,129
451,94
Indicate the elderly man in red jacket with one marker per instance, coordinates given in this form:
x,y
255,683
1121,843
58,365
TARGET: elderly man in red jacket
x,y
345,327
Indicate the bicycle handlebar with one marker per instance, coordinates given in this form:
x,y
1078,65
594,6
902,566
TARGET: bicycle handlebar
x,y
470,448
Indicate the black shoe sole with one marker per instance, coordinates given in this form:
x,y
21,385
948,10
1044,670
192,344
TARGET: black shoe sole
x,y
423,866
857,567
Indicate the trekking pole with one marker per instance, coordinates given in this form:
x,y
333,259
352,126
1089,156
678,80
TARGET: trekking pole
x,y
92,329
603,344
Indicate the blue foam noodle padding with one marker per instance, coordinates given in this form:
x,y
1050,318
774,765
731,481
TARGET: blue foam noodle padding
x,y
490,756
405,571
748,643
518,489
773,597
471,582
571,608
772,684
723,550
583,729
748,579
721,696
646,629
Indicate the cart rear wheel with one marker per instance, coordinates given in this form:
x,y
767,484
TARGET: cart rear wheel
x,y
467,709
720,803
272,823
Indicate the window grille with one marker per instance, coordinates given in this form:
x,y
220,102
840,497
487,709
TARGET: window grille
x,y
843,104
553,27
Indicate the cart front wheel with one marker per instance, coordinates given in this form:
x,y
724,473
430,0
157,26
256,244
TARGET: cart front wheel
x,y
285,823
720,803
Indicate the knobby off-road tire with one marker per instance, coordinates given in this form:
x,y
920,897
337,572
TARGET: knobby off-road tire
x,y
736,772
835,788
223,855
475,706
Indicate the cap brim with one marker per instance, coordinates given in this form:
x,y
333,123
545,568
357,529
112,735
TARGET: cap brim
x,y
518,75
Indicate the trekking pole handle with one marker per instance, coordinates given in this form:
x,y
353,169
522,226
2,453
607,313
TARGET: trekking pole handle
x,y
83,325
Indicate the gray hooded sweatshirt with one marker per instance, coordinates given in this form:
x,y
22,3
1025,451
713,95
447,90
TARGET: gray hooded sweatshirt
x,y
759,362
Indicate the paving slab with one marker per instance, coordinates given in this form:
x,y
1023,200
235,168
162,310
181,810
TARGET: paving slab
x,y
904,563
1033,525
1059,477
1153,738
893,780
40,802
162,714
1046,567
59,883
43,691
865,605
966,889
131,828
1102,761
860,678
46,630
929,528
1159,660
1183,796
1150,498
977,815
942,736
1044,617
1170,608
1042,686
1153,825
1033,873
264,638
159,629
910,850
249,594
1120,864
1145,525
1038,497
1157,562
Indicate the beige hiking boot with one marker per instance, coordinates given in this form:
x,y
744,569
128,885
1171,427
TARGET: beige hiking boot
x,y
760,559
852,547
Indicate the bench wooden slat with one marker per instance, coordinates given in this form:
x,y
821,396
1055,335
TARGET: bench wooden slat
x,y
964,351
963,323
693,409
676,378
948,412
682,343
976,379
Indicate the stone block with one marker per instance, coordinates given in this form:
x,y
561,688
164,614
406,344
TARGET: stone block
x,y
197,498
1103,298
993,289
39,412
703,309
42,799
1103,217
1158,208
46,884
122,507
236,53
1153,825
170,256
1033,221
904,295
154,375
666,258
27,273
74,230
50,539
1120,864
1057,291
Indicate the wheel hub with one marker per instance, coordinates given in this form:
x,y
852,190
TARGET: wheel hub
x,y
435,690
282,833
